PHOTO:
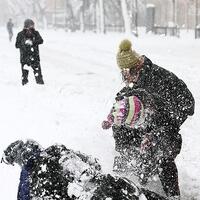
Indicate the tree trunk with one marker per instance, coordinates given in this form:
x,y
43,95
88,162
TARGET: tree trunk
x,y
97,17
126,17
82,12
102,21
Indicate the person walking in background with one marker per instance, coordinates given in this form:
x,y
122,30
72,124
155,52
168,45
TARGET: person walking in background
x,y
173,103
28,41
10,29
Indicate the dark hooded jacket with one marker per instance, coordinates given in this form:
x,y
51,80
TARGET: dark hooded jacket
x,y
29,54
168,89
172,103
173,100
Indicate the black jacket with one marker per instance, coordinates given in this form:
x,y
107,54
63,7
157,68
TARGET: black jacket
x,y
171,101
170,93
29,54
58,173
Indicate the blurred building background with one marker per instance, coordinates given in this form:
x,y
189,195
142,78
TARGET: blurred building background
x,y
104,15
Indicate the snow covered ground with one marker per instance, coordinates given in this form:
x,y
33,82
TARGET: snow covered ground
x,y
81,79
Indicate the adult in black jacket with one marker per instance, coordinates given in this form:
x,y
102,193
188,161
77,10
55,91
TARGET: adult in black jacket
x,y
173,102
28,41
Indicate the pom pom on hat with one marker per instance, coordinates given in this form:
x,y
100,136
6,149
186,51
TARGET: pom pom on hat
x,y
125,45
126,57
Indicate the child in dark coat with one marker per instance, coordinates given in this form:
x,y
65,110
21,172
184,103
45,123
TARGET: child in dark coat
x,y
28,41
133,120
58,173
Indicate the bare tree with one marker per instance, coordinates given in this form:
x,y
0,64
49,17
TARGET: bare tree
x,y
35,9
39,8
126,17
101,8
100,20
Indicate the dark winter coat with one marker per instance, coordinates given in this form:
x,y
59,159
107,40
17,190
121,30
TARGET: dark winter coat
x,y
54,180
157,119
45,175
120,188
28,53
171,102
168,89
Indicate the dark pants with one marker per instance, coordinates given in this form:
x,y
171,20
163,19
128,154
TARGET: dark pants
x,y
37,73
169,173
169,144
169,177
23,189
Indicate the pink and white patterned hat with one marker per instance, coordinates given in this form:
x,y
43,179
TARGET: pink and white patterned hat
x,y
128,111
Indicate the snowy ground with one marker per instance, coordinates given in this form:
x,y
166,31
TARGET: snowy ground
x,y
81,79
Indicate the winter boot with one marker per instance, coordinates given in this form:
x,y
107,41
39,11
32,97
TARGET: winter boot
x,y
39,80
24,81
25,73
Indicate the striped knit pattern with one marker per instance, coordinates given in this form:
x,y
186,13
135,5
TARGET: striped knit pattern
x,y
128,111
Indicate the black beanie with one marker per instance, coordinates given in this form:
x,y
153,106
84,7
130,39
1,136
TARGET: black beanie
x,y
28,23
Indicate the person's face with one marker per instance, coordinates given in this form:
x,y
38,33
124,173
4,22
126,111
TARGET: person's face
x,y
30,28
129,75
29,31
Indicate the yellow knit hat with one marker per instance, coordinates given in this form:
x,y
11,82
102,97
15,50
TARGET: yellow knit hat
x,y
126,57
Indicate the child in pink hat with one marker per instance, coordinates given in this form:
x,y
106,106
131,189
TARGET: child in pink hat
x,y
128,111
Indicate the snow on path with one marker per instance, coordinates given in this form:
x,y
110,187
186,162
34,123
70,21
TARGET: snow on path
x,y
81,79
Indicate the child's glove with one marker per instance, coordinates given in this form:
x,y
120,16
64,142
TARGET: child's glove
x,y
106,125
29,42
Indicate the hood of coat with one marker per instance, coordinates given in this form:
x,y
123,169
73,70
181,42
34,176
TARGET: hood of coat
x,y
20,152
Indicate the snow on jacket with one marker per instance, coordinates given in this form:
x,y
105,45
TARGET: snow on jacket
x,y
169,89
159,128
58,173
28,45
172,103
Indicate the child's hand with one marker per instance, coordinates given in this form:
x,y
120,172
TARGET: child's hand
x,y
106,125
